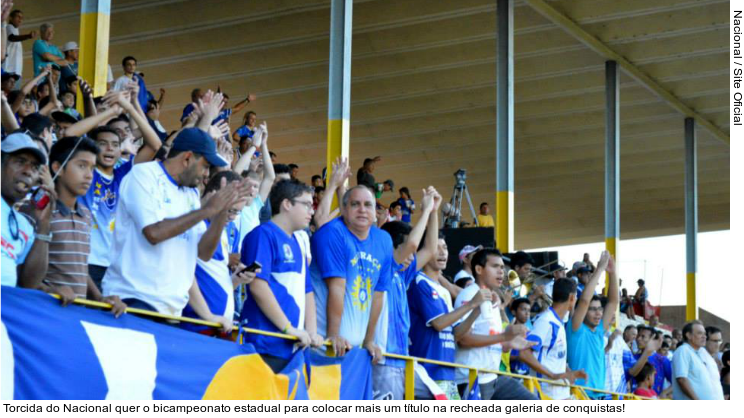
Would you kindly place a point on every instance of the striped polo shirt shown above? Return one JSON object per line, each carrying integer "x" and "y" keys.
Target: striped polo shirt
{"x": 69, "y": 249}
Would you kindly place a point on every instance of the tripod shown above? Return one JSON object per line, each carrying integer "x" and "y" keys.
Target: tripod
{"x": 452, "y": 215}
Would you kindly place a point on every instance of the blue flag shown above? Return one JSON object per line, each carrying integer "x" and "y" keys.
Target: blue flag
{"x": 473, "y": 392}
{"x": 55, "y": 352}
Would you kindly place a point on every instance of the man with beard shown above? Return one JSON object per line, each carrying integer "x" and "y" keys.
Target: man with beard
{"x": 159, "y": 230}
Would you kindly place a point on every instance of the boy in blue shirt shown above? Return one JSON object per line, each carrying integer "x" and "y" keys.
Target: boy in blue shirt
{"x": 435, "y": 324}
{"x": 103, "y": 196}
{"x": 281, "y": 298}
{"x": 388, "y": 376}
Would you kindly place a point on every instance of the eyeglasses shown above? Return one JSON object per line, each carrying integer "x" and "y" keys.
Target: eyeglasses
{"x": 308, "y": 205}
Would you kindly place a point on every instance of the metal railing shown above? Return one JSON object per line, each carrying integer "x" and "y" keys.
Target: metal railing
{"x": 532, "y": 383}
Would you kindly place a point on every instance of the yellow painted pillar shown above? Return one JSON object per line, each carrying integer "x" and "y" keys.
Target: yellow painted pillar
{"x": 94, "y": 43}
{"x": 691, "y": 217}
{"x": 505, "y": 126}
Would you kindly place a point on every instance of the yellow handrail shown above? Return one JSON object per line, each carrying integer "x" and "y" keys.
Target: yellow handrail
{"x": 410, "y": 361}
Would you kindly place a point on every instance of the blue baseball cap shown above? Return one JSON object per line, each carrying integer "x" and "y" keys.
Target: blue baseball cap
{"x": 199, "y": 142}
{"x": 19, "y": 141}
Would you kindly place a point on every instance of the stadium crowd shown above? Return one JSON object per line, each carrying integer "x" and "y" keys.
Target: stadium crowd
{"x": 108, "y": 204}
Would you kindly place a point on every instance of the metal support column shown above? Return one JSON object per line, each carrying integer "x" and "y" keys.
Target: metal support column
{"x": 691, "y": 216}
{"x": 612, "y": 161}
{"x": 94, "y": 44}
{"x": 339, "y": 82}
{"x": 505, "y": 125}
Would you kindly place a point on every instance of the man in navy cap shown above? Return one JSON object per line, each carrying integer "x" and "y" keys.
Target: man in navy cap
{"x": 25, "y": 248}
{"x": 159, "y": 230}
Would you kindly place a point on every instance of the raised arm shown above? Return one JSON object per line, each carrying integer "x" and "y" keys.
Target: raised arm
{"x": 245, "y": 160}
{"x": 241, "y": 104}
{"x": 414, "y": 238}
{"x": 134, "y": 110}
{"x": 613, "y": 298}
{"x": 88, "y": 103}
{"x": 586, "y": 297}
{"x": 28, "y": 87}
{"x": 210, "y": 105}
{"x": 268, "y": 167}
{"x": 86, "y": 125}
{"x": 429, "y": 251}
{"x": 7, "y": 6}
{"x": 9, "y": 121}
{"x": 340, "y": 173}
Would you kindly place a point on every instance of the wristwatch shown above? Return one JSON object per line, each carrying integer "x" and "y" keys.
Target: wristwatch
{"x": 42, "y": 237}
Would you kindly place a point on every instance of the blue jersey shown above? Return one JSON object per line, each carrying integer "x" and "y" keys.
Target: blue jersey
{"x": 365, "y": 264}
{"x": 215, "y": 283}
{"x": 283, "y": 267}
{"x": 391, "y": 334}
{"x": 406, "y": 207}
{"x": 427, "y": 301}
{"x": 187, "y": 111}
{"x": 102, "y": 199}
{"x": 224, "y": 115}
{"x": 245, "y": 131}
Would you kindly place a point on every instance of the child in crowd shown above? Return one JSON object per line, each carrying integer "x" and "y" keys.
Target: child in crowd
{"x": 645, "y": 380}
{"x": 406, "y": 203}
{"x": 68, "y": 101}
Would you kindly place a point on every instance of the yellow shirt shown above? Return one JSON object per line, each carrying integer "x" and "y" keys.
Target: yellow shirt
{"x": 485, "y": 220}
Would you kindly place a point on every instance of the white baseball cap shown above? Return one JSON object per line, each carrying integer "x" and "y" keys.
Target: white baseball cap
{"x": 70, "y": 46}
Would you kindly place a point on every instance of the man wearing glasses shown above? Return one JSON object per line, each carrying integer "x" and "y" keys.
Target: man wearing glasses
{"x": 25, "y": 248}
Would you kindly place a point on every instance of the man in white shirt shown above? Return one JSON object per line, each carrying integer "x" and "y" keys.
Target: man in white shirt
{"x": 14, "y": 54}
{"x": 482, "y": 345}
{"x": 695, "y": 374}
{"x": 159, "y": 230}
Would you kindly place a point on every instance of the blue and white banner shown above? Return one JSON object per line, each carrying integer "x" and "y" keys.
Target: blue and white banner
{"x": 54, "y": 352}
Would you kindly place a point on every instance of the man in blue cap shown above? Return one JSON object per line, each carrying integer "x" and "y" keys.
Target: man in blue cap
{"x": 25, "y": 247}
{"x": 159, "y": 230}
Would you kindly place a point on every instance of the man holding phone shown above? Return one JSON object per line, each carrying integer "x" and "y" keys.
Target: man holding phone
{"x": 281, "y": 298}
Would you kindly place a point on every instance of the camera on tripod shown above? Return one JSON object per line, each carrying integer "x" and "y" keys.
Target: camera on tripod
{"x": 452, "y": 210}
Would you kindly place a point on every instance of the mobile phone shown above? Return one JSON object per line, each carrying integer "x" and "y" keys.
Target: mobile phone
{"x": 252, "y": 268}
{"x": 41, "y": 199}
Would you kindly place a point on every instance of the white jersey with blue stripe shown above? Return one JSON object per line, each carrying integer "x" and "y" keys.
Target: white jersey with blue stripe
{"x": 551, "y": 351}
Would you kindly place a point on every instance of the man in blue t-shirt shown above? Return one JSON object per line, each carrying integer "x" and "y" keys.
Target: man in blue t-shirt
{"x": 103, "y": 196}
{"x": 388, "y": 376}
{"x": 351, "y": 269}
{"x": 281, "y": 298}
{"x": 648, "y": 342}
{"x": 588, "y": 325}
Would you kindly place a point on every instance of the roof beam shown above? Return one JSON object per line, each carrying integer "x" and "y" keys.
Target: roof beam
{"x": 565, "y": 23}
